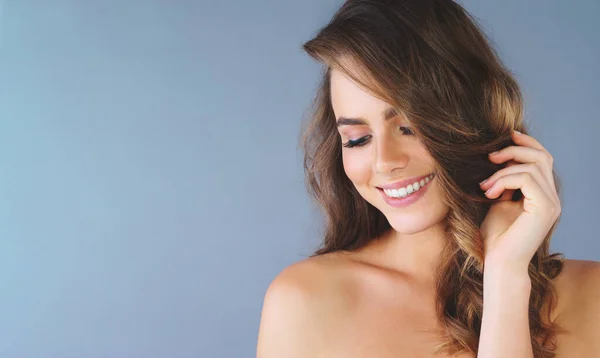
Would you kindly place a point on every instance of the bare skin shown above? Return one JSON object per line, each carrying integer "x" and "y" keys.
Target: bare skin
{"x": 379, "y": 301}
{"x": 387, "y": 314}
{"x": 357, "y": 309}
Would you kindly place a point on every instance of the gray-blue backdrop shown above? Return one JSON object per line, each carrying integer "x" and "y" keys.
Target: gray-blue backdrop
{"x": 150, "y": 183}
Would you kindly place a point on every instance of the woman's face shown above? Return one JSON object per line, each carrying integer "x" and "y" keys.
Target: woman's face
{"x": 389, "y": 153}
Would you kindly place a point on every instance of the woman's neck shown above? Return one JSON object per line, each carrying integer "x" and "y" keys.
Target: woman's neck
{"x": 416, "y": 254}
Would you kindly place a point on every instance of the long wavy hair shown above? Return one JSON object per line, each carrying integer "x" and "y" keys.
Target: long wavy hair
{"x": 431, "y": 60}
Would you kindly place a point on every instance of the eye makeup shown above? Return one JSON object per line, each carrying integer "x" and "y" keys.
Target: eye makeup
{"x": 363, "y": 140}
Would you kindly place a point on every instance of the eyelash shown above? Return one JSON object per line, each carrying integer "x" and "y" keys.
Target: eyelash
{"x": 362, "y": 141}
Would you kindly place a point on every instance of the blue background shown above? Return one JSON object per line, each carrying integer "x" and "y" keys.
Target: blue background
{"x": 150, "y": 181}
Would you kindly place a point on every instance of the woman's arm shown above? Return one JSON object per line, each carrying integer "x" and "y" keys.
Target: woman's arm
{"x": 512, "y": 232}
{"x": 505, "y": 322}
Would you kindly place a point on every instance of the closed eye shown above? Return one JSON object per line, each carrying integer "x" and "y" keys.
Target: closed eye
{"x": 363, "y": 140}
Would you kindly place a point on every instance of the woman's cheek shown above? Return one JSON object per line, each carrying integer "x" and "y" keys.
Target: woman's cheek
{"x": 357, "y": 169}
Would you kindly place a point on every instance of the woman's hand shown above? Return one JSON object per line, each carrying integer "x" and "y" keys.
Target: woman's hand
{"x": 513, "y": 230}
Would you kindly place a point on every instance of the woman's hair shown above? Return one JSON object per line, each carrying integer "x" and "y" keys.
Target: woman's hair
{"x": 431, "y": 61}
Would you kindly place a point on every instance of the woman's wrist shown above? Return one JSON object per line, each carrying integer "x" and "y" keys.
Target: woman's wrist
{"x": 506, "y": 276}
{"x": 505, "y": 268}
{"x": 505, "y": 320}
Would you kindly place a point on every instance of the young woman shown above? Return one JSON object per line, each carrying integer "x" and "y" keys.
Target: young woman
{"x": 421, "y": 255}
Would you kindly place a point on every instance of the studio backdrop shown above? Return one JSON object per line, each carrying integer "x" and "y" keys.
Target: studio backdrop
{"x": 151, "y": 183}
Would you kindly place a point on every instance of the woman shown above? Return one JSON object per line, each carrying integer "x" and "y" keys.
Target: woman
{"x": 421, "y": 255}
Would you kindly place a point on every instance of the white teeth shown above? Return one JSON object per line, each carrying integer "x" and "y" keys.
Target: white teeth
{"x": 409, "y": 189}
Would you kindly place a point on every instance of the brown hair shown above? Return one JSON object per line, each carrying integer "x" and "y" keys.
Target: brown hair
{"x": 431, "y": 61}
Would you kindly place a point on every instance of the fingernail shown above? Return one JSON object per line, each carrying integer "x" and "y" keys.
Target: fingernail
{"x": 494, "y": 153}
{"x": 518, "y": 132}
{"x": 483, "y": 181}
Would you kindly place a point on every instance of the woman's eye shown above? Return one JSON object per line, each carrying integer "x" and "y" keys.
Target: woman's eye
{"x": 407, "y": 130}
{"x": 356, "y": 143}
{"x": 363, "y": 140}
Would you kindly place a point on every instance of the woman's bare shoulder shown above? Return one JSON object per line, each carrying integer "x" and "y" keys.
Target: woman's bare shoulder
{"x": 315, "y": 278}
{"x": 301, "y": 307}
{"x": 577, "y": 279}
{"x": 578, "y": 310}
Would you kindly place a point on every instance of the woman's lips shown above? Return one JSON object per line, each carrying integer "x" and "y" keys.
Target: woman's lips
{"x": 403, "y": 183}
{"x": 407, "y": 200}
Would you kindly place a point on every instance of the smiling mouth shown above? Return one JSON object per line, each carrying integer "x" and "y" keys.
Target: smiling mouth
{"x": 409, "y": 189}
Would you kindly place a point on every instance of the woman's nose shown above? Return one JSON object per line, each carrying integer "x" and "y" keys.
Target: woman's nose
{"x": 389, "y": 155}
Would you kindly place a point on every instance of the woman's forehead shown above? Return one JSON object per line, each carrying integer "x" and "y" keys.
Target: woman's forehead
{"x": 347, "y": 96}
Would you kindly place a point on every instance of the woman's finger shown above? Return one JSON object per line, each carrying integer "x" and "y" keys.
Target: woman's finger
{"x": 527, "y": 141}
{"x": 526, "y": 155}
{"x": 508, "y": 193}
{"x": 530, "y": 168}
{"x": 535, "y": 198}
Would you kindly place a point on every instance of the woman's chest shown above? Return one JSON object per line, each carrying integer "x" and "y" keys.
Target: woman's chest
{"x": 380, "y": 330}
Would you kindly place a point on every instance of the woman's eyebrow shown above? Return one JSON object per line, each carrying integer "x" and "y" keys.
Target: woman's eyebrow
{"x": 387, "y": 114}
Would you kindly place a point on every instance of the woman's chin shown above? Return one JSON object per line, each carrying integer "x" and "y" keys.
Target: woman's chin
{"x": 408, "y": 225}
